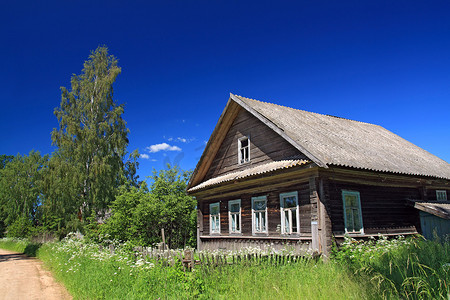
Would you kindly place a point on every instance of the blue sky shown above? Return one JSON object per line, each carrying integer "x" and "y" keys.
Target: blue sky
{"x": 382, "y": 62}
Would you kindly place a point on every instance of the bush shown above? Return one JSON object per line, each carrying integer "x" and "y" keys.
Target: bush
{"x": 21, "y": 227}
{"x": 139, "y": 214}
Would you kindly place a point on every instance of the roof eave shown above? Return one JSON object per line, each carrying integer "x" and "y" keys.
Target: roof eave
{"x": 212, "y": 139}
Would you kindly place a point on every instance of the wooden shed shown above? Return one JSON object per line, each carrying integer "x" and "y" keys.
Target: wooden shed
{"x": 282, "y": 178}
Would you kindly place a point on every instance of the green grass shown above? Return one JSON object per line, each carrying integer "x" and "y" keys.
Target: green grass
{"x": 383, "y": 269}
{"x": 401, "y": 268}
{"x": 90, "y": 273}
{"x": 306, "y": 279}
{"x": 20, "y": 245}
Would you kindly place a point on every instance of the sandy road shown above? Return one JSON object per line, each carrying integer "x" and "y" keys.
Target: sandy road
{"x": 22, "y": 277}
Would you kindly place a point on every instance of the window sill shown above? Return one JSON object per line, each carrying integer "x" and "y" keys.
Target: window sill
{"x": 290, "y": 234}
{"x": 235, "y": 234}
{"x": 362, "y": 235}
{"x": 260, "y": 234}
{"x": 252, "y": 237}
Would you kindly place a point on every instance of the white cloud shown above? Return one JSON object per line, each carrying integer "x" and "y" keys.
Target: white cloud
{"x": 144, "y": 156}
{"x": 180, "y": 139}
{"x": 154, "y": 159}
{"x": 162, "y": 147}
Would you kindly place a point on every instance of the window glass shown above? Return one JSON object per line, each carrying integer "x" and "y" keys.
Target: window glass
{"x": 352, "y": 212}
{"x": 244, "y": 143}
{"x": 214, "y": 209}
{"x": 259, "y": 204}
{"x": 351, "y": 201}
{"x": 289, "y": 213}
{"x": 259, "y": 214}
{"x": 234, "y": 212}
{"x": 294, "y": 220}
{"x": 290, "y": 202}
{"x": 235, "y": 207}
{"x": 244, "y": 150}
{"x": 214, "y": 213}
{"x": 441, "y": 195}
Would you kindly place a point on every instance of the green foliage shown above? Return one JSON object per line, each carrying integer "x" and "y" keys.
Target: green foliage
{"x": 21, "y": 227}
{"x": 20, "y": 192}
{"x": 90, "y": 272}
{"x": 139, "y": 214}
{"x": 91, "y": 139}
{"x": 20, "y": 245}
{"x": 5, "y": 159}
{"x": 406, "y": 268}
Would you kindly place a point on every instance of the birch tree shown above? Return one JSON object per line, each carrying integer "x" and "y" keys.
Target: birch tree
{"x": 91, "y": 138}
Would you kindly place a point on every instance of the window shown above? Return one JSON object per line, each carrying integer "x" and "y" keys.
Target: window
{"x": 214, "y": 217}
{"x": 259, "y": 214}
{"x": 289, "y": 213}
{"x": 234, "y": 213}
{"x": 352, "y": 212}
{"x": 244, "y": 150}
{"x": 441, "y": 195}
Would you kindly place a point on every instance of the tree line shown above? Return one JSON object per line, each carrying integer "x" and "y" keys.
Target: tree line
{"x": 90, "y": 183}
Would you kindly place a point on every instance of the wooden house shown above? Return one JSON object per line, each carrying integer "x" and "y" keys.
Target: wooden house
{"x": 278, "y": 177}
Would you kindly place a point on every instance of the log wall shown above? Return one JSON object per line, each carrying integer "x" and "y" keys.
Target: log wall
{"x": 384, "y": 209}
{"x": 265, "y": 146}
{"x": 273, "y": 210}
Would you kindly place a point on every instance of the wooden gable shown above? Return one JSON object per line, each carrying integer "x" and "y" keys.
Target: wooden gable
{"x": 265, "y": 146}
{"x": 268, "y": 143}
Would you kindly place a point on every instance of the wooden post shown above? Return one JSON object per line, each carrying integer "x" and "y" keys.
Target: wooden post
{"x": 199, "y": 226}
{"x": 320, "y": 219}
{"x": 324, "y": 220}
{"x": 314, "y": 198}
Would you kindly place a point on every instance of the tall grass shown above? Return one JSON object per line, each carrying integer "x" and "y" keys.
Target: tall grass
{"x": 305, "y": 279}
{"x": 91, "y": 273}
{"x": 405, "y": 268}
{"x": 376, "y": 269}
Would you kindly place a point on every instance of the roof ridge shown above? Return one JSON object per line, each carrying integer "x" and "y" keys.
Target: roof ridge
{"x": 310, "y": 112}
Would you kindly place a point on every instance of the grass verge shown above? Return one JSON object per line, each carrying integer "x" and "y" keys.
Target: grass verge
{"x": 91, "y": 273}
{"x": 20, "y": 245}
{"x": 377, "y": 269}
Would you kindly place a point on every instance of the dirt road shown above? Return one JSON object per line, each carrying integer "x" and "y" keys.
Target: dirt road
{"x": 24, "y": 278}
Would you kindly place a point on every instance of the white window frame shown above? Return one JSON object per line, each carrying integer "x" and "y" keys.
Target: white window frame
{"x": 357, "y": 194}
{"x": 238, "y": 214}
{"x": 213, "y": 217}
{"x": 441, "y": 195}
{"x": 288, "y": 211}
{"x": 254, "y": 229}
{"x": 239, "y": 149}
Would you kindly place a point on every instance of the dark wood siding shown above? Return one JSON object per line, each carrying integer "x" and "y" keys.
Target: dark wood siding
{"x": 265, "y": 146}
{"x": 273, "y": 210}
{"x": 431, "y": 194}
{"x": 382, "y": 207}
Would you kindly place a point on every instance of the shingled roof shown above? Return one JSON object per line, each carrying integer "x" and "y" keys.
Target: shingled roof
{"x": 329, "y": 140}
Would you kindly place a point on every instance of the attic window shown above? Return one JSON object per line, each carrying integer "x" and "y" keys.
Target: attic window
{"x": 441, "y": 195}
{"x": 244, "y": 149}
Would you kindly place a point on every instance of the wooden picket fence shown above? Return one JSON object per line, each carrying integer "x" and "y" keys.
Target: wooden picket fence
{"x": 191, "y": 258}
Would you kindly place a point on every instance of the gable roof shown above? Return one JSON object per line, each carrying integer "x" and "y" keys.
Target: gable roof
{"x": 331, "y": 141}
